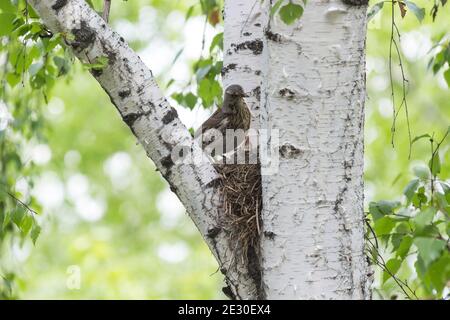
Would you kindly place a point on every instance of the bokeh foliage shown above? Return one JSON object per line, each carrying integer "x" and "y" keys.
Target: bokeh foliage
{"x": 409, "y": 218}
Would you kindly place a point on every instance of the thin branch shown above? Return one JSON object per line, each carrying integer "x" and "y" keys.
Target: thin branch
{"x": 22, "y": 203}
{"x": 106, "y": 10}
{"x": 404, "y": 103}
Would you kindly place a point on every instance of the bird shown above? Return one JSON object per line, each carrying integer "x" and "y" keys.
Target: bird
{"x": 234, "y": 114}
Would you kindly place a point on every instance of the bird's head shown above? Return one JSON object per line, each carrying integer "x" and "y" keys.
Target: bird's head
{"x": 233, "y": 94}
{"x": 236, "y": 91}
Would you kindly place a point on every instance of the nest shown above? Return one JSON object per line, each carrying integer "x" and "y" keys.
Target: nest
{"x": 242, "y": 202}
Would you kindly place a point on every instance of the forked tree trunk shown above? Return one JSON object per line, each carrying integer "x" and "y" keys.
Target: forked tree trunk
{"x": 307, "y": 82}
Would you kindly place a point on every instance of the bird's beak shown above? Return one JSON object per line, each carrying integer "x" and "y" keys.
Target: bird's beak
{"x": 246, "y": 95}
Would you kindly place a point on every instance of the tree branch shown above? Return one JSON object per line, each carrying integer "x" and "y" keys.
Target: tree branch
{"x": 106, "y": 10}
{"x": 143, "y": 107}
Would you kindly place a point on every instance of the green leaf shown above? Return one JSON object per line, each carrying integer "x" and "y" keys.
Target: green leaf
{"x": 202, "y": 72}
{"x": 435, "y": 164}
{"x": 404, "y": 247}
{"x": 396, "y": 240}
{"x": 17, "y": 215}
{"x": 35, "y": 67}
{"x": 374, "y": 10}
{"x": 275, "y": 7}
{"x": 439, "y": 273}
{"x": 392, "y": 266}
{"x": 189, "y": 12}
{"x": 171, "y": 81}
{"x": 411, "y": 188}
{"x": 2, "y": 220}
{"x": 446, "y": 188}
{"x": 424, "y": 218}
{"x": 420, "y": 267}
{"x": 430, "y": 249}
{"x": 62, "y": 65}
{"x": 418, "y": 12}
{"x": 384, "y": 225}
{"x": 382, "y": 208}
{"x": 438, "y": 61}
{"x": 178, "y": 97}
{"x": 447, "y": 77}
{"x": 426, "y": 135}
{"x": 291, "y": 12}
{"x": 209, "y": 91}
{"x": 35, "y": 232}
{"x": 13, "y": 79}
{"x": 6, "y": 6}
{"x": 6, "y": 23}
{"x": 217, "y": 41}
{"x": 191, "y": 100}
{"x": 26, "y": 224}
{"x": 419, "y": 198}
{"x": 99, "y": 63}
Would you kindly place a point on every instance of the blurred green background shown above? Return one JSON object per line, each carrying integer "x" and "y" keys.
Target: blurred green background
{"x": 110, "y": 218}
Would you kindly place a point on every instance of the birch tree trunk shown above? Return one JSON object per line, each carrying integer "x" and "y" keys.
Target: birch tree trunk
{"x": 307, "y": 83}
{"x": 313, "y": 94}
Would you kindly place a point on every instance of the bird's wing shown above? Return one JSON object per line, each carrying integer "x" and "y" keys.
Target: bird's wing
{"x": 216, "y": 121}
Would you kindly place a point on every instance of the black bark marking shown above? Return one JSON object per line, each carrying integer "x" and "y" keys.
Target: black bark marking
{"x": 167, "y": 162}
{"x": 339, "y": 199}
{"x": 125, "y": 93}
{"x": 59, "y": 4}
{"x": 227, "y": 68}
{"x": 107, "y": 51}
{"x": 356, "y": 2}
{"x": 131, "y": 118}
{"x": 130, "y": 71}
{"x": 84, "y": 36}
{"x": 254, "y": 270}
{"x": 269, "y": 234}
{"x": 286, "y": 92}
{"x": 276, "y": 37}
{"x": 214, "y": 183}
{"x": 257, "y": 93}
{"x": 288, "y": 151}
{"x": 96, "y": 72}
{"x": 255, "y": 46}
{"x": 247, "y": 34}
{"x": 172, "y": 187}
{"x": 228, "y": 292}
{"x": 213, "y": 232}
{"x": 170, "y": 116}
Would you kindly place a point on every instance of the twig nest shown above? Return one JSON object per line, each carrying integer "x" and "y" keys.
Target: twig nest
{"x": 242, "y": 202}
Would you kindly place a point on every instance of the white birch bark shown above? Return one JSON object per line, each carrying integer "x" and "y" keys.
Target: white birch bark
{"x": 313, "y": 93}
{"x": 134, "y": 92}
{"x": 243, "y": 46}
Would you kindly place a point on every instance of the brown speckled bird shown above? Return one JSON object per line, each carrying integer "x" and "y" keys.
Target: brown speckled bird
{"x": 234, "y": 114}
